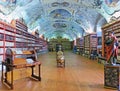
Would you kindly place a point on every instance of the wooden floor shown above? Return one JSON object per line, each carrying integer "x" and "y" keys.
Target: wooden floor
{"x": 80, "y": 74}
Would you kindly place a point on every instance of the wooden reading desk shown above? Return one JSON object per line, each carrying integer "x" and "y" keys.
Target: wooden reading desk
{"x": 11, "y": 63}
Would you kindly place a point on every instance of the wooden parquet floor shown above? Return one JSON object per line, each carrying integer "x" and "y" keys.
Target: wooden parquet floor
{"x": 79, "y": 74}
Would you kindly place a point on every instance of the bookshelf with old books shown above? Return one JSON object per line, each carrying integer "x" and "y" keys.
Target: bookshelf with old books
{"x": 24, "y": 38}
{"x": 16, "y": 37}
{"x": 81, "y": 46}
{"x": 7, "y": 38}
{"x": 21, "y": 35}
{"x": 78, "y": 45}
{"x": 22, "y": 46}
{"x": 41, "y": 45}
{"x": 66, "y": 43}
{"x": 90, "y": 44}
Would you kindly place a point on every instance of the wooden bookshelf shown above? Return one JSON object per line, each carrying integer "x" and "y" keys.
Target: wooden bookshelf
{"x": 7, "y": 38}
{"x": 115, "y": 27}
{"x": 21, "y": 35}
{"x": 19, "y": 25}
{"x": 66, "y": 43}
{"x": 16, "y": 37}
{"x": 90, "y": 43}
{"x": 80, "y": 45}
{"x": 99, "y": 46}
{"x": 29, "y": 41}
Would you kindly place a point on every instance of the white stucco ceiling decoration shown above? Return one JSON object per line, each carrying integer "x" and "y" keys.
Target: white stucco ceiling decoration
{"x": 70, "y": 18}
{"x": 60, "y": 4}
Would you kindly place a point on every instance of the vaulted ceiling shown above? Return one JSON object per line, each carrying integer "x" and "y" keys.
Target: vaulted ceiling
{"x": 66, "y": 18}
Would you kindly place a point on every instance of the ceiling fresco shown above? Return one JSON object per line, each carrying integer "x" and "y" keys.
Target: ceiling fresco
{"x": 66, "y": 18}
{"x": 60, "y": 14}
